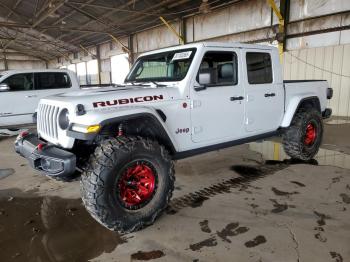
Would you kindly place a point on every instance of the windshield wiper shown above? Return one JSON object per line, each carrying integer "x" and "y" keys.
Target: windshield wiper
{"x": 118, "y": 85}
{"x": 157, "y": 84}
{"x": 134, "y": 83}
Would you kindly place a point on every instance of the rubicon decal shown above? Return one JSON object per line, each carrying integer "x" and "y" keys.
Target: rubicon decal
{"x": 125, "y": 101}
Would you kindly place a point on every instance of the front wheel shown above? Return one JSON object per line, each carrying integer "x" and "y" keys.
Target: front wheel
{"x": 303, "y": 138}
{"x": 129, "y": 182}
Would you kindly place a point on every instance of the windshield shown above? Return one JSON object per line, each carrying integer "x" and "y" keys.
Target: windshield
{"x": 162, "y": 67}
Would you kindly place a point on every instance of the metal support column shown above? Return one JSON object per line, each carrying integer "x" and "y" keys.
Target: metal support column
{"x": 98, "y": 57}
{"x": 5, "y": 61}
{"x": 131, "y": 50}
{"x": 280, "y": 27}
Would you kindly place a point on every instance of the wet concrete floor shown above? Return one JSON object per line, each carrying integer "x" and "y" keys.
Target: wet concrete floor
{"x": 247, "y": 203}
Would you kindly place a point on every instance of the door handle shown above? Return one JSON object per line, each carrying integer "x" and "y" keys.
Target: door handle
{"x": 270, "y": 95}
{"x": 30, "y": 96}
{"x": 236, "y": 98}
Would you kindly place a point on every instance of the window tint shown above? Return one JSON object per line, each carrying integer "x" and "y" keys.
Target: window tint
{"x": 52, "y": 80}
{"x": 218, "y": 69}
{"x": 20, "y": 82}
{"x": 259, "y": 68}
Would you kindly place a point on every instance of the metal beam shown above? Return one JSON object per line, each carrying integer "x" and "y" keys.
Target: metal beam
{"x": 131, "y": 48}
{"x": 13, "y": 8}
{"x": 20, "y": 16}
{"x": 280, "y": 26}
{"x": 133, "y": 18}
{"x": 25, "y": 52}
{"x": 5, "y": 61}
{"x": 285, "y": 10}
{"x": 60, "y": 28}
{"x": 88, "y": 52}
{"x": 117, "y": 9}
{"x": 99, "y": 67}
{"x": 124, "y": 47}
{"x": 42, "y": 18}
{"x": 172, "y": 29}
{"x": 52, "y": 7}
{"x": 130, "y": 2}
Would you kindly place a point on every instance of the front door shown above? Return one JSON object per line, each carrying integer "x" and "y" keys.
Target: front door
{"x": 18, "y": 104}
{"x": 217, "y": 112}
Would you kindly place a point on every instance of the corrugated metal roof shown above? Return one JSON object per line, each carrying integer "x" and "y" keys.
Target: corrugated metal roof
{"x": 51, "y": 28}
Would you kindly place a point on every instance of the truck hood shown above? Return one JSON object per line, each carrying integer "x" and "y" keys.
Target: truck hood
{"x": 116, "y": 97}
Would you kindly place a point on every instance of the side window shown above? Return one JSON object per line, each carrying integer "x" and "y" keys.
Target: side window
{"x": 51, "y": 80}
{"x": 20, "y": 82}
{"x": 218, "y": 69}
{"x": 259, "y": 68}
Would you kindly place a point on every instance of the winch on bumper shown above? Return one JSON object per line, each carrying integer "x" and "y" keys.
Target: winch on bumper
{"x": 44, "y": 157}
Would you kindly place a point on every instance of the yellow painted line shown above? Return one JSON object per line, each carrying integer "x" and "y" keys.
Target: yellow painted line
{"x": 276, "y": 151}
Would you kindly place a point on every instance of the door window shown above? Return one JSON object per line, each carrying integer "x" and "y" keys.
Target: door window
{"x": 20, "y": 82}
{"x": 52, "y": 80}
{"x": 220, "y": 68}
{"x": 259, "y": 68}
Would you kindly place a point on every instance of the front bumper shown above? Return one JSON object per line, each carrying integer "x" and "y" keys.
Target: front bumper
{"x": 44, "y": 157}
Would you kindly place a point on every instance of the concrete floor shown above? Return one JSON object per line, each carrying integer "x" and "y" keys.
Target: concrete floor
{"x": 258, "y": 207}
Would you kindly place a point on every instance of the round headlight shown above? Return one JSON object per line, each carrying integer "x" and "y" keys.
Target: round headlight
{"x": 63, "y": 119}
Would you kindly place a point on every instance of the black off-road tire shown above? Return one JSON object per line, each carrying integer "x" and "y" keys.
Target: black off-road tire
{"x": 99, "y": 188}
{"x": 294, "y": 136}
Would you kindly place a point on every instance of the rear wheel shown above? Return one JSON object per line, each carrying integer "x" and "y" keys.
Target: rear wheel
{"x": 128, "y": 183}
{"x": 303, "y": 138}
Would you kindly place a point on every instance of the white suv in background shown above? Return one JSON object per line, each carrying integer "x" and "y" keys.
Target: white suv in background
{"x": 21, "y": 90}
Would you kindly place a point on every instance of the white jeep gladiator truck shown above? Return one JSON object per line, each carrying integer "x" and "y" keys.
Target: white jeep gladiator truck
{"x": 176, "y": 102}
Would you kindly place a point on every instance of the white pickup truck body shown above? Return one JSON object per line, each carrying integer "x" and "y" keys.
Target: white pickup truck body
{"x": 176, "y": 102}
{"x": 21, "y": 91}
{"x": 210, "y": 117}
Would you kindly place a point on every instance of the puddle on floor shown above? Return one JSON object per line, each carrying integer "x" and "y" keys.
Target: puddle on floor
{"x": 6, "y": 172}
{"x": 274, "y": 151}
{"x": 51, "y": 229}
{"x": 338, "y": 122}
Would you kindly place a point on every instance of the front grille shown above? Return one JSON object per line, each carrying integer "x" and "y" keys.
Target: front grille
{"x": 48, "y": 121}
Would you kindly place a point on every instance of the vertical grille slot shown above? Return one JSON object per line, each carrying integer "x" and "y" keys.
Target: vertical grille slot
{"x": 48, "y": 121}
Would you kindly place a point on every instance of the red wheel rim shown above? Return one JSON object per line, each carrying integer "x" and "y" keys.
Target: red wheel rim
{"x": 137, "y": 184}
{"x": 310, "y": 135}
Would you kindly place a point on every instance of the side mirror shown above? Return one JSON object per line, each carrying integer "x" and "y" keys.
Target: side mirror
{"x": 4, "y": 87}
{"x": 204, "y": 78}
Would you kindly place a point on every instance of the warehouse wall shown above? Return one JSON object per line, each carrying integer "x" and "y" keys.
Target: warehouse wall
{"x": 318, "y": 38}
{"x": 331, "y": 63}
{"x": 18, "y": 61}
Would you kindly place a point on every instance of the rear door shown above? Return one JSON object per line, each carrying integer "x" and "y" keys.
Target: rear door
{"x": 18, "y": 104}
{"x": 264, "y": 90}
{"x": 51, "y": 83}
{"x": 217, "y": 112}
